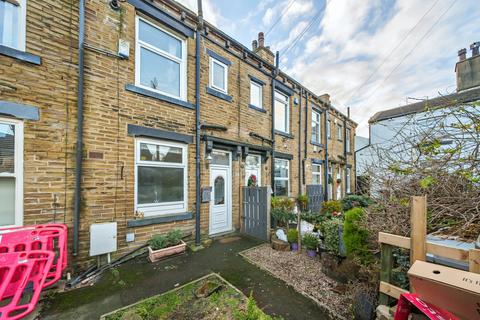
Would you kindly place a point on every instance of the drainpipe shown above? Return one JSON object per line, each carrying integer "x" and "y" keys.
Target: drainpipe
{"x": 198, "y": 124}
{"x": 79, "y": 153}
{"x": 301, "y": 174}
{"x": 306, "y": 136}
{"x": 272, "y": 170}
{"x": 326, "y": 151}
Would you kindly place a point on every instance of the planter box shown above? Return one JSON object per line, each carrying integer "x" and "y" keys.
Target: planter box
{"x": 155, "y": 255}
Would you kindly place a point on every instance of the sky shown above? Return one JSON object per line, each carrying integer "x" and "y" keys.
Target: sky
{"x": 369, "y": 55}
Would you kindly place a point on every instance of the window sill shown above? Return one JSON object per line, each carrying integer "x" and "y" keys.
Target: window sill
{"x": 159, "y": 219}
{"x": 251, "y": 106}
{"x": 349, "y": 153}
{"x": 317, "y": 144}
{"x": 158, "y": 96}
{"x": 219, "y": 94}
{"x": 284, "y": 134}
{"x": 20, "y": 55}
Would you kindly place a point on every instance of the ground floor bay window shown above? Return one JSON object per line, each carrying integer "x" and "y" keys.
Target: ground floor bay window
{"x": 11, "y": 173}
{"x": 160, "y": 177}
{"x": 282, "y": 176}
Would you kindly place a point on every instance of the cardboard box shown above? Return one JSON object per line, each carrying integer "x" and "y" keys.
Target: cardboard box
{"x": 451, "y": 289}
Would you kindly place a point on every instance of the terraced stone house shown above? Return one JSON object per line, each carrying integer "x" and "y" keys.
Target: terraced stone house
{"x": 137, "y": 117}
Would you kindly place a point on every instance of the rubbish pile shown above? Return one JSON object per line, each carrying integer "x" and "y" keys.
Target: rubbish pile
{"x": 32, "y": 258}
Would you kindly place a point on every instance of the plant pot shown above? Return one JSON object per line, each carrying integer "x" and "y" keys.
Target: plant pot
{"x": 294, "y": 246}
{"x": 156, "y": 255}
{"x": 311, "y": 253}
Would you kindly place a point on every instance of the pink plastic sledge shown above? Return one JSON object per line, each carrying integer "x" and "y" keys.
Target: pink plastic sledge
{"x": 20, "y": 274}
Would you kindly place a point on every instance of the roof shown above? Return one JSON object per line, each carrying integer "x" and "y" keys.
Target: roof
{"x": 418, "y": 107}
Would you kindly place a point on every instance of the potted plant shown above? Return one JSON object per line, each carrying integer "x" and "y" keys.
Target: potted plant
{"x": 292, "y": 237}
{"x": 252, "y": 181}
{"x": 310, "y": 241}
{"x": 161, "y": 246}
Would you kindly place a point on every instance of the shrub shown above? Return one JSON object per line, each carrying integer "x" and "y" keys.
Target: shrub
{"x": 310, "y": 241}
{"x": 282, "y": 210}
{"x": 330, "y": 231}
{"x": 302, "y": 201}
{"x": 355, "y": 236}
{"x": 329, "y": 207}
{"x": 283, "y": 203}
{"x": 159, "y": 241}
{"x": 292, "y": 235}
{"x": 352, "y": 201}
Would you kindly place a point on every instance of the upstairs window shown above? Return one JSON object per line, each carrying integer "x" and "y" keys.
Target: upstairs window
{"x": 348, "y": 146}
{"x": 329, "y": 129}
{"x": 281, "y": 112}
{"x": 316, "y": 127}
{"x": 347, "y": 180}
{"x": 256, "y": 94}
{"x": 13, "y": 15}
{"x": 218, "y": 75}
{"x": 339, "y": 132}
{"x": 160, "y": 60}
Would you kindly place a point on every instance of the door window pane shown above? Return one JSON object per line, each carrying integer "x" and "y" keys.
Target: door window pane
{"x": 252, "y": 161}
{"x": 159, "y": 73}
{"x": 218, "y": 75}
{"x": 159, "y": 184}
{"x": 220, "y": 158}
{"x": 159, "y": 39}
{"x": 7, "y": 200}
{"x": 9, "y": 24}
{"x": 7, "y": 148}
{"x": 219, "y": 190}
{"x": 158, "y": 153}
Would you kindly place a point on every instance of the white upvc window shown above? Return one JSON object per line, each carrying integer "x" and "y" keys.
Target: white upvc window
{"x": 316, "y": 126}
{"x": 329, "y": 129}
{"x": 347, "y": 180}
{"x": 330, "y": 182}
{"x": 282, "y": 112}
{"x": 161, "y": 177}
{"x": 256, "y": 94}
{"x": 11, "y": 172}
{"x": 282, "y": 177}
{"x": 348, "y": 146}
{"x": 13, "y": 20}
{"x": 339, "y": 132}
{"x": 160, "y": 60}
{"x": 218, "y": 75}
{"x": 339, "y": 184}
{"x": 317, "y": 174}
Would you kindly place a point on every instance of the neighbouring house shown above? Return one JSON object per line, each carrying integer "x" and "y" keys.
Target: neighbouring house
{"x": 104, "y": 108}
{"x": 390, "y": 129}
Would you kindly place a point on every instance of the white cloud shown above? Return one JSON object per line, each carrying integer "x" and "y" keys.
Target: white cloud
{"x": 210, "y": 12}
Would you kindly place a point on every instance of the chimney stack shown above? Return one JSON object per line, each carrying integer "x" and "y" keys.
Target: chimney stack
{"x": 261, "y": 39}
{"x": 462, "y": 54}
{"x": 254, "y": 45}
{"x": 474, "y": 47}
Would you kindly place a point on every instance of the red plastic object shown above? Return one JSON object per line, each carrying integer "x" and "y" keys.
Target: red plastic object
{"x": 41, "y": 237}
{"x": 21, "y": 272}
{"x": 409, "y": 301}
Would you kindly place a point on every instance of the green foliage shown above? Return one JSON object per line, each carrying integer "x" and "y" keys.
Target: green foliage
{"x": 252, "y": 312}
{"x": 427, "y": 182}
{"x": 330, "y": 231}
{"x": 329, "y": 207}
{"x": 355, "y": 236}
{"x": 172, "y": 238}
{"x": 302, "y": 201}
{"x": 282, "y": 210}
{"x": 351, "y": 201}
{"x": 283, "y": 203}
{"x": 313, "y": 218}
{"x": 310, "y": 241}
{"x": 292, "y": 235}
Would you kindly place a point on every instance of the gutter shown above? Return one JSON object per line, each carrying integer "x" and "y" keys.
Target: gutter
{"x": 198, "y": 124}
{"x": 79, "y": 151}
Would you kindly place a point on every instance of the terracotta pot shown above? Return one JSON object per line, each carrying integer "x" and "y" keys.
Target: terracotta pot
{"x": 155, "y": 255}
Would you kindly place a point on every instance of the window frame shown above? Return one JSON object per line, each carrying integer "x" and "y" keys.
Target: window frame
{"x": 17, "y": 174}
{"x": 348, "y": 147}
{"x": 339, "y": 132}
{"x": 319, "y": 173}
{"x": 22, "y": 27}
{"x": 225, "y": 75}
{"x": 260, "y": 98}
{"x": 164, "y": 208}
{"x": 347, "y": 180}
{"x": 275, "y": 178}
{"x": 319, "y": 125}
{"x": 182, "y": 62}
{"x": 287, "y": 111}
{"x": 329, "y": 129}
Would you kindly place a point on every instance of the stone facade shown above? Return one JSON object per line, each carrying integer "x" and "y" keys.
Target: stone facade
{"x": 113, "y": 103}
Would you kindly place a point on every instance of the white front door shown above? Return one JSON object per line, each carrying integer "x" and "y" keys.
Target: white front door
{"x": 221, "y": 202}
{"x": 253, "y": 169}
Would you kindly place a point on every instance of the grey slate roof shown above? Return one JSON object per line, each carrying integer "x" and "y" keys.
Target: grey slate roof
{"x": 439, "y": 102}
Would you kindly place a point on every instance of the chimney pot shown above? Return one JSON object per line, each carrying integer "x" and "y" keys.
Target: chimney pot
{"x": 462, "y": 54}
{"x": 261, "y": 39}
{"x": 254, "y": 45}
{"x": 474, "y": 47}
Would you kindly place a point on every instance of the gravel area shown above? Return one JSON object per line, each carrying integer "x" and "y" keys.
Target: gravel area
{"x": 304, "y": 275}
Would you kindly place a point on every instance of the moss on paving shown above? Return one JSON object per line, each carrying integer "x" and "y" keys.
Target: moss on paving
{"x": 181, "y": 303}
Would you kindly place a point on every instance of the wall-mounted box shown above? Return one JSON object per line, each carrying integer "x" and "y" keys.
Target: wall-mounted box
{"x": 103, "y": 238}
